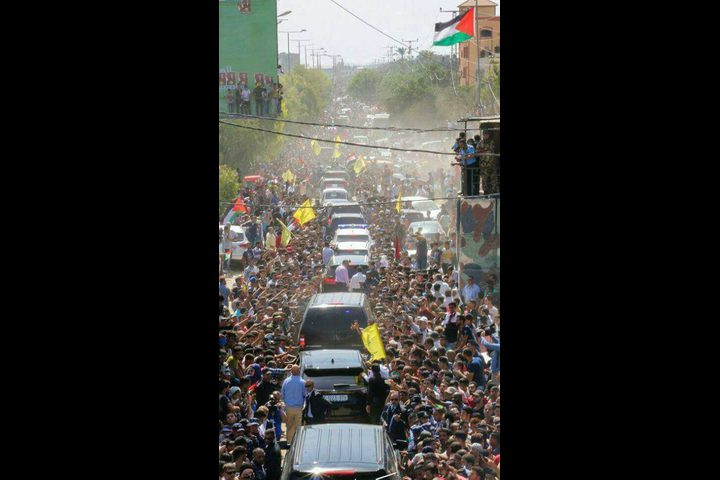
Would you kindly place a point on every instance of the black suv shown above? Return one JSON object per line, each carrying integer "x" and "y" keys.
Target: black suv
{"x": 343, "y": 451}
{"x": 341, "y": 376}
{"x": 328, "y": 318}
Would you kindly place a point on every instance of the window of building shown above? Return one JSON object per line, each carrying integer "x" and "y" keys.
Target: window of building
{"x": 483, "y": 53}
{"x": 464, "y": 72}
{"x": 485, "y": 33}
{"x": 465, "y": 51}
{"x": 497, "y": 49}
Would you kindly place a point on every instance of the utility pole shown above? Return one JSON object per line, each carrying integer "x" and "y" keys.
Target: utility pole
{"x": 410, "y": 42}
{"x": 299, "y": 56}
{"x": 390, "y": 52}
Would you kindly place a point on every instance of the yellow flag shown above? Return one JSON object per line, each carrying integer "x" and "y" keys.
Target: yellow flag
{"x": 316, "y": 147}
{"x": 286, "y": 235}
{"x": 359, "y": 165}
{"x": 288, "y": 176}
{"x": 398, "y": 204}
{"x": 336, "y": 152}
{"x": 305, "y": 213}
{"x": 373, "y": 342}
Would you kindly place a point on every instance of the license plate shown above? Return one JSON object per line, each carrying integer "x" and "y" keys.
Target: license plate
{"x": 336, "y": 398}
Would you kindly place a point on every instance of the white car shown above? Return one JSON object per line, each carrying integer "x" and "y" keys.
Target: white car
{"x": 239, "y": 243}
{"x": 330, "y": 194}
{"x": 352, "y": 248}
{"x": 352, "y": 235}
{"x": 431, "y": 230}
{"x": 422, "y": 204}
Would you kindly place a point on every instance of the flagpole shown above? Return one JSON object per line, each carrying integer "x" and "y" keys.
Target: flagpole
{"x": 477, "y": 67}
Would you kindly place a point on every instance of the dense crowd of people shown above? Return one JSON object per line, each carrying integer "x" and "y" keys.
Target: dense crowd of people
{"x": 437, "y": 392}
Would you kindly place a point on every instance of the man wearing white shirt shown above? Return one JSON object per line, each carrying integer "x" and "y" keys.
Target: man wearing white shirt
{"x": 444, "y": 287}
{"x": 327, "y": 254}
{"x": 357, "y": 282}
{"x": 471, "y": 291}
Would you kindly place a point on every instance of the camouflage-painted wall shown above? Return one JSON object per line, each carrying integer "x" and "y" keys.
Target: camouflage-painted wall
{"x": 478, "y": 245}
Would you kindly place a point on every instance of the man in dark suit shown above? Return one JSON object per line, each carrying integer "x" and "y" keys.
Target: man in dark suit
{"x": 395, "y": 418}
{"x": 273, "y": 459}
{"x": 316, "y": 407}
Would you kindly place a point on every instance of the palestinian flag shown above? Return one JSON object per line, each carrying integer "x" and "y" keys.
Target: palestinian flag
{"x": 457, "y": 30}
{"x": 238, "y": 208}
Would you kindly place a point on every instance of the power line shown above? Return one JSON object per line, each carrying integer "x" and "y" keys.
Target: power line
{"x": 406, "y": 150}
{"x": 489, "y": 196}
{"x": 339, "y": 125}
{"x": 369, "y": 25}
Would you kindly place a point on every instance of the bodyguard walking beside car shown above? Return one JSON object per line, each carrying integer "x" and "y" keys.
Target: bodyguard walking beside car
{"x": 316, "y": 407}
{"x": 376, "y": 394}
{"x": 293, "y": 395}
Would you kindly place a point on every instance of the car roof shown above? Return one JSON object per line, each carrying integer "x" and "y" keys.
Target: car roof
{"x": 334, "y": 189}
{"x": 426, "y": 225}
{"x": 351, "y": 245}
{"x": 336, "y": 260}
{"x": 234, "y": 228}
{"x": 333, "y": 446}
{"x": 330, "y": 358}
{"x": 410, "y": 210}
{"x": 353, "y": 231}
{"x": 347, "y": 215}
{"x": 412, "y": 199}
{"x": 333, "y": 179}
{"x": 339, "y": 202}
{"x": 337, "y": 298}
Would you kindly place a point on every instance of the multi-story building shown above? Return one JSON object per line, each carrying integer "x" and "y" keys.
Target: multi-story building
{"x": 488, "y": 31}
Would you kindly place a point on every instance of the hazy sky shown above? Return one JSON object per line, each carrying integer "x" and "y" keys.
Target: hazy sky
{"x": 334, "y": 29}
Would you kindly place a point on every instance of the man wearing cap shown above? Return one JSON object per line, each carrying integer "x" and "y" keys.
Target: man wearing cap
{"x": 293, "y": 395}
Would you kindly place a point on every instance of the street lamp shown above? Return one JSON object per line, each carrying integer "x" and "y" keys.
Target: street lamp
{"x": 312, "y": 53}
{"x": 288, "y": 46}
{"x": 305, "y": 47}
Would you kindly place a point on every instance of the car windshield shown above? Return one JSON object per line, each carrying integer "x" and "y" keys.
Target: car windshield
{"x": 336, "y": 195}
{"x": 333, "y": 372}
{"x": 346, "y": 251}
{"x": 344, "y": 475}
{"x": 425, "y": 205}
{"x": 346, "y": 209}
{"x": 352, "y": 238}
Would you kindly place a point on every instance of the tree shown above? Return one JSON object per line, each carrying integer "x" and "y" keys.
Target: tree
{"x": 364, "y": 85}
{"x": 306, "y": 93}
{"x": 229, "y": 186}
